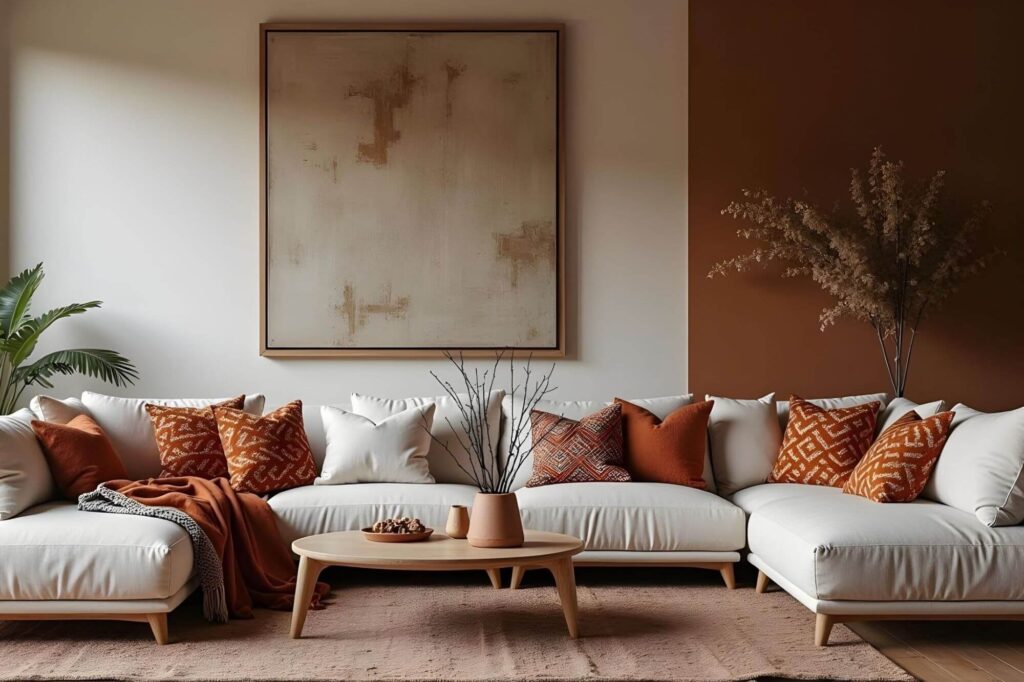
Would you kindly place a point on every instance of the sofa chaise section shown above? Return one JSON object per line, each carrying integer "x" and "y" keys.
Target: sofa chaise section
{"x": 59, "y": 562}
{"x": 847, "y": 558}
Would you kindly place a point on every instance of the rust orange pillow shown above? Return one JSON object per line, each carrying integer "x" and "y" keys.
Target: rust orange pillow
{"x": 188, "y": 440}
{"x": 266, "y": 454}
{"x": 79, "y": 454}
{"x": 822, "y": 447}
{"x": 567, "y": 451}
{"x": 898, "y": 464}
{"x": 669, "y": 450}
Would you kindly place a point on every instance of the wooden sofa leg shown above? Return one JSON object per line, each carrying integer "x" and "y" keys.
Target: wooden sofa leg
{"x": 762, "y": 582}
{"x": 822, "y": 628}
{"x": 517, "y": 576}
{"x": 158, "y": 624}
{"x": 728, "y": 575}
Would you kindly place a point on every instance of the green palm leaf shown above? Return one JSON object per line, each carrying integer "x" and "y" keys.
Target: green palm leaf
{"x": 16, "y": 298}
{"x": 23, "y": 341}
{"x": 107, "y": 365}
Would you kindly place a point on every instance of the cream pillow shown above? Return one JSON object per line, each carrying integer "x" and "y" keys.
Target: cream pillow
{"x": 446, "y": 428}
{"x": 56, "y": 411}
{"x": 981, "y": 468}
{"x": 745, "y": 440}
{"x": 130, "y": 429}
{"x": 393, "y": 450}
{"x": 25, "y": 479}
{"x": 900, "y": 406}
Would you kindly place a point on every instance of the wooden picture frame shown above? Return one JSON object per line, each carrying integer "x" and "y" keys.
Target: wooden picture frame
{"x": 556, "y": 347}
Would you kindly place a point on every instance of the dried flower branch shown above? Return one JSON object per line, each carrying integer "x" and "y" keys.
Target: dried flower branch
{"x": 890, "y": 267}
{"x": 488, "y": 472}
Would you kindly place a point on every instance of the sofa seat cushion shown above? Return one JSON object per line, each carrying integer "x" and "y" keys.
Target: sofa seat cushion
{"x": 55, "y": 551}
{"x": 311, "y": 510}
{"x": 843, "y": 547}
{"x": 642, "y": 517}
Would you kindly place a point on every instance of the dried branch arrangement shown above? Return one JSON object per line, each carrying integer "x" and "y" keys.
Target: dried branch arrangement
{"x": 490, "y": 473}
{"x": 890, "y": 263}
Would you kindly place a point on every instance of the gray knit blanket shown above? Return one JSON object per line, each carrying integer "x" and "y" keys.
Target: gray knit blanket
{"x": 207, "y": 562}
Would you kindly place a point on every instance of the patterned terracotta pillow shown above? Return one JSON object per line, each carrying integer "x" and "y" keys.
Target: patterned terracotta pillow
{"x": 188, "y": 440}
{"x": 567, "y": 451}
{"x": 266, "y": 454}
{"x": 822, "y": 447}
{"x": 898, "y": 465}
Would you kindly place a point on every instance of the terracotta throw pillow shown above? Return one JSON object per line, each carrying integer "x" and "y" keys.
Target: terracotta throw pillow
{"x": 188, "y": 440}
{"x": 79, "y": 454}
{"x": 822, "y": 447}
{"x": 266, "y": 454}
{"x": 567, "y": 451}
{"x": 898, "y": 465}
{"x": 666, "y": 451}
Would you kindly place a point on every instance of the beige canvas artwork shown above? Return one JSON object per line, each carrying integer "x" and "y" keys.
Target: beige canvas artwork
{"x": 412, "y": 190}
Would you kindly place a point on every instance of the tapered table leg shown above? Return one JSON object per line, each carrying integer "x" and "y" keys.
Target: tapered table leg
{"x": 495, "y": 575}
{"x": 517, "y": 576}
{"x": 565, "y": 580}
{"x": 309, "y": 571}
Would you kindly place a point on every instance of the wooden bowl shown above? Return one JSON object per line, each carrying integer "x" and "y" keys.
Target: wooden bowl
{"x": 396, "y": 537}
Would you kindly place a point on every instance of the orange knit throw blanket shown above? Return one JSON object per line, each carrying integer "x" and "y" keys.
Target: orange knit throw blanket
{"x": 258, "y": 567}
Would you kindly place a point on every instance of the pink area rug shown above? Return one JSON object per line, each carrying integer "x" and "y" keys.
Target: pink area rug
{"x": 635, "y": 625}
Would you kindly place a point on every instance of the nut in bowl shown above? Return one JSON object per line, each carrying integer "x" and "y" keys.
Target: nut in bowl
{"x": 402, "y": 529}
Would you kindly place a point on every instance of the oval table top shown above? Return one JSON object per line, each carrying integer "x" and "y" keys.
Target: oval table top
{"x": 440, "y": 551}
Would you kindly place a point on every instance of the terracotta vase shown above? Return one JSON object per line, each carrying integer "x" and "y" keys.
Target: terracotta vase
{"x": 458, "y": 522}
{"x": 495, "y": 521}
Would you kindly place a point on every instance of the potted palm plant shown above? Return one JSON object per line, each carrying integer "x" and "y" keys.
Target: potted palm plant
{"x": 20, "y": 333}
{"x": 495, "y": 520}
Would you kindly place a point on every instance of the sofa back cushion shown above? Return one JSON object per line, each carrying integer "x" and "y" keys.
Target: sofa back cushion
{"x": 25, "y": 479}
{"x": 577, "y": 409}
{"x": 745, "y": 437}
{"x": 899, "y": 407}
{"x": 981, "y": 468}
{"x": 834, "y": 403}
{"x": 127, "y": 424}
{"x": 447, "y": 415}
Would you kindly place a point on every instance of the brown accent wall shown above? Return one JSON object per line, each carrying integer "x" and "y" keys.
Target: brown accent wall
{"x": 788, "y": 95}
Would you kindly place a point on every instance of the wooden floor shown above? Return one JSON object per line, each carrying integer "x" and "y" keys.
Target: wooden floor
{"x": 950, "y": 651}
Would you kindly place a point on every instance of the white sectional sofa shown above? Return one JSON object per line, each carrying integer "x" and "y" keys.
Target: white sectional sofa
{"x": 842, "y": 556}
{"x": 59, "y": 562}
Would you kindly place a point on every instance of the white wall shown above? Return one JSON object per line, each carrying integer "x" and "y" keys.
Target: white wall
{"x": 134, "y": 176}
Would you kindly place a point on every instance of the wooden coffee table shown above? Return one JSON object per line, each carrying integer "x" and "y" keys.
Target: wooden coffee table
{"x": 440, "y": 553}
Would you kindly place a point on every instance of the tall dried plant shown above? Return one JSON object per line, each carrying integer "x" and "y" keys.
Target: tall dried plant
{"x": 892, "y": 262}
{"x": 481, "y": 463}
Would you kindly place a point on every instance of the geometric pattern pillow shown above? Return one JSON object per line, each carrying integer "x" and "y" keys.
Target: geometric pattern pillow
{"x": 822, "y": 447}
{"x": 188, "y": 440}
{"x": 898, "y": 465}
{"x": 266, "y": 454}
{"x": 568, "y": 451}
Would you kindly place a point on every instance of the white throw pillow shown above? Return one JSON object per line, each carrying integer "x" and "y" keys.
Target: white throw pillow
{"x": 745, "y": 440}
{"x": 900, "y": 406}
{"x": 25, "y": 479}
{"x": 393, "y": 450}
{"x": 49, "y": 409}
{"x": 981, "y": 468}
{"x": 834, "y": 403}
{"x": 577, "y": 409}
{"x": 130, "y": 429}
{"x": 443, "y": 468}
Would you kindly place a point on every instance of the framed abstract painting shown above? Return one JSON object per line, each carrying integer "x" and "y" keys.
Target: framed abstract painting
{"x": 412, "y": 189}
